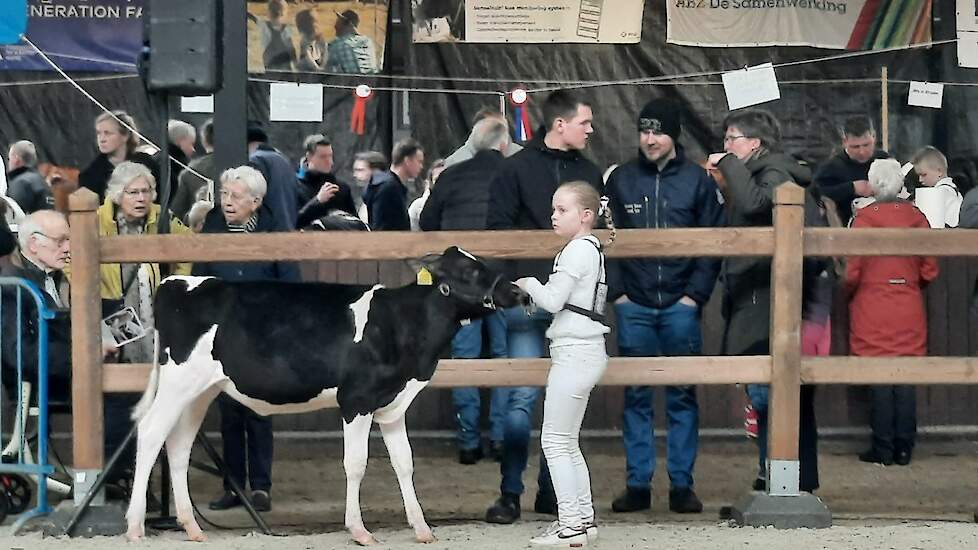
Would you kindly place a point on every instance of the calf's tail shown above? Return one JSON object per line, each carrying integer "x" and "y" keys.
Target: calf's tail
{"x": 149, "y": 395}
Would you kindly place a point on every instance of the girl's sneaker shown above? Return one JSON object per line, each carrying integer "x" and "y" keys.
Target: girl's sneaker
{"x": 750, "y": 421}
{"x": 591, "y": 529}
{"x": 561, "y": 537}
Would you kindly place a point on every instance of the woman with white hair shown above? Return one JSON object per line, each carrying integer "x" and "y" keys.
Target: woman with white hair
{"x": 887, "y": 315}
{"x": 129, "y": 210}
{"x": 247, "y": 437}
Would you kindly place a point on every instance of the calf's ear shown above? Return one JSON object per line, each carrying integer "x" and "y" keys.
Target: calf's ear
{"x": 431, "y": 262}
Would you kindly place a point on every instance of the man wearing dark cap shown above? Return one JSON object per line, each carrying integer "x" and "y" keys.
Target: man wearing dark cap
{"x": 351, "y": 52}
{"x": 658, "y": 300}
{"x": 282, "y": 195}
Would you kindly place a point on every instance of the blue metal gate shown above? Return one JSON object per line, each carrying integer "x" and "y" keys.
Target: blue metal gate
{"x": 14, "y": 292}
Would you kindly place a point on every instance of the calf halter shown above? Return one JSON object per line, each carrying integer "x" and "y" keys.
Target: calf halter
{"x": 486, "y": 299}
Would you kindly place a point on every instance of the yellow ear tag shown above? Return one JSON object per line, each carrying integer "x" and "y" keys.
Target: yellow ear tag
{"x": 424, "y": 277}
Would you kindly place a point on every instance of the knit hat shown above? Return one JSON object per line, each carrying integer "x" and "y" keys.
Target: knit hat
{"x": 256, "y": 133}
{"x": 661, "y": 116}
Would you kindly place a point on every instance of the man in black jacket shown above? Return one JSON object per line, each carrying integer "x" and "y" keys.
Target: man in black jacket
{"x": 658, "y": 300}
{"x": 24, "y": 183}
{"x": 845, "y": 176}
{"x": 459, "y": 203}
{"x": 319, "y": 191}
{"x": 520, "y": 197}
{"x": 386, "y": 194}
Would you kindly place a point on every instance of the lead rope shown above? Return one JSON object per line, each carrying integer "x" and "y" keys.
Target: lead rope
{"x": 605, "y": 212}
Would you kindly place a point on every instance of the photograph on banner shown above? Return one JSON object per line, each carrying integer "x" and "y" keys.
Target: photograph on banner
{"x": 528, "y": 21}
{"x": 78, "y": 35}
{"x": 317, "y": 36}
{"x": 834, "y": 24}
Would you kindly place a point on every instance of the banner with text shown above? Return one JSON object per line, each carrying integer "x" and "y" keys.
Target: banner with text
{"x": 80, "y": 35}
{"x": 526, "y": 21}
{"x": 837, "y": 24}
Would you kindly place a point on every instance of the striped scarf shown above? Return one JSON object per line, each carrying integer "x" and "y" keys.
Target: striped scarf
{"x": 247, "y": 227}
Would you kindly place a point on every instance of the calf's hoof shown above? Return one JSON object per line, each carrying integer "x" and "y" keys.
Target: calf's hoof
{"x": 426, "y": 537}
{"x": 363, "y": 537}
{"x": 134, "y": 535}
{"x": 196, "y": 536}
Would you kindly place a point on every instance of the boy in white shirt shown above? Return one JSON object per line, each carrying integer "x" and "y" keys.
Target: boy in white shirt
{"x": 931, "y": 168}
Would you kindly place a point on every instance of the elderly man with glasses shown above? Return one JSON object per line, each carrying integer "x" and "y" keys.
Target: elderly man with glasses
{"x": 44, "y": 248}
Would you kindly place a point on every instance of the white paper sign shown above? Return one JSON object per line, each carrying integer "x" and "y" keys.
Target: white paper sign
{"x": 296, "y": 102}
{"x": 751, "y": 86}
{"x": 968, "y": 49}
{"x": 967, "y": 15}
{"x": 197, "y": 104}
{"x": 926, "y": 94}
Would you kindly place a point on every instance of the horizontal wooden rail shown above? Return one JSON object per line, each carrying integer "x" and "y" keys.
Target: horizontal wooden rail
{"x": 889, "y": 370}
{"x": 528, "y": 244}
{"x": 622, "y": 371}
{"x": 396, "y": 245}
{"x": 662, "y": 371}
{"x": 890, "y": 242}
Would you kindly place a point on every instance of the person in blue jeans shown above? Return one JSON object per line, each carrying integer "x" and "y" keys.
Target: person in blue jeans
{"x": 658, "y": 301}
{"x": 467, "y": 344}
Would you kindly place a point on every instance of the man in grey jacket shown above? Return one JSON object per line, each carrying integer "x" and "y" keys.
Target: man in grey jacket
{"x": 468, "y": 149}
{"x": 25, "y": 184}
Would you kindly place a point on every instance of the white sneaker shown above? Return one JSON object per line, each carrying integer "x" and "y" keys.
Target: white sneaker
{"x": 561, "y": 537}
{"x": 591, "y": 528}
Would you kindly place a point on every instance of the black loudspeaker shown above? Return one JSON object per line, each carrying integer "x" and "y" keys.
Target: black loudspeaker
{"x": 183, "y": 47}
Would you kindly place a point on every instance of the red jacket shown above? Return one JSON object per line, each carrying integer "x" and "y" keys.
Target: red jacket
{"x": 886, "y": 311}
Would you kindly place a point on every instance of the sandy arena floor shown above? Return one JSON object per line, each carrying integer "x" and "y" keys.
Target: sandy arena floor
{"x": 927, "y": 505}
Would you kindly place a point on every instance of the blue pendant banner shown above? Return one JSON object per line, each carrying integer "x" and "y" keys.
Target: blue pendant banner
{"x": 78, "y": 35}
{"x": 13, "y": 21}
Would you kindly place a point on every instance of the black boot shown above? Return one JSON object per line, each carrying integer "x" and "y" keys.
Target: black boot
{"x": 633, "y": 500}
{"x": 875, "y": 456}
{"x": 683, "y": 500}
{"x": 505, "y": 510}
{"x": 496, "y": 450}
{"x": 225, "y": 501}
{"x": 545, "y": 503}
{"x": 470, "y": 456}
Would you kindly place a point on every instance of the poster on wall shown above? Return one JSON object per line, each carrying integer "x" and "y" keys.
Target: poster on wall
{"x": 80, "y": 35}
{"x": 836, "y": 24}
{"x": 528, "y": 21}
{"x": 967, "y": 15}
{"x": 317, "y": 36}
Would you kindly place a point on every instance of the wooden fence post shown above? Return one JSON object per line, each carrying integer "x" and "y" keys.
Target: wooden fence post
{"x": 86, "y": 341}
{"x": 786, "y": 283}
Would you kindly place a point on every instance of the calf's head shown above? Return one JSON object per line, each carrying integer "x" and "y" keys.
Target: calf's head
{"x": 477, "y": 288}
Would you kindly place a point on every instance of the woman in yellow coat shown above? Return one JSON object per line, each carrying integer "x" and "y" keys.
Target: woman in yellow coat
{"x": 129, "y": 210}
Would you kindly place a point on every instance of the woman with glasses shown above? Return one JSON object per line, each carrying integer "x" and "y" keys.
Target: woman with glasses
{"x": 752, "y": 167}
{"x": 129, "y": 210}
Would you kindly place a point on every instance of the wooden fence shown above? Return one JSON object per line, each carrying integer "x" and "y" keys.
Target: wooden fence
{"x": 786, "y": 242}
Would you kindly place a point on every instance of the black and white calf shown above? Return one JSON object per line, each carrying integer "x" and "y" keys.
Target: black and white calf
{"x": 291, "y": 347}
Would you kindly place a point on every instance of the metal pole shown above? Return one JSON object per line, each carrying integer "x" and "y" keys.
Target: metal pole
{"x": 231, "y": 102}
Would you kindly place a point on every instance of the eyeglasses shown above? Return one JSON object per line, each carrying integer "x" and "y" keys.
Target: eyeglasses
{"x": 731, "y": 139}
{"x": 138, "y": 192}
{"x": 58, "y": 241}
